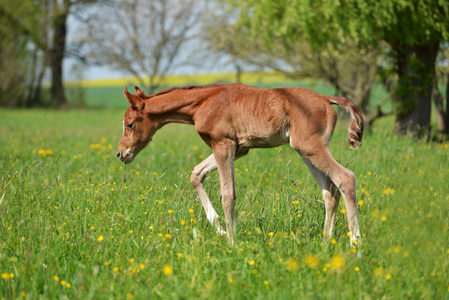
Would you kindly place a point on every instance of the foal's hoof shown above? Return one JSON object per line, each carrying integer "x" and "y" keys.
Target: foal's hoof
{"x": 221, "y": 231}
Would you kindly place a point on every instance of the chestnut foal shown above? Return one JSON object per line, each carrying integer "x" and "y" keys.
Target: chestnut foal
{"x": 232, "y": 119}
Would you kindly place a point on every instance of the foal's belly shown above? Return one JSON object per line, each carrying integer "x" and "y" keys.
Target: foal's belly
{"x": 263, "y": 141}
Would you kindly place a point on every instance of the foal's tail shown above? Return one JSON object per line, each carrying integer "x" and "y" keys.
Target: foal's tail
{"x": 355, "y": 130}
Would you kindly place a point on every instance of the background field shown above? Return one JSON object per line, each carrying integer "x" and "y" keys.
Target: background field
{"x": 76, "y": 223}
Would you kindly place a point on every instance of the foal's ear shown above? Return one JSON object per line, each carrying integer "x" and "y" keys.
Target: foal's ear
{"x": 132, "y": 99}
{"x": 141, "y": 94}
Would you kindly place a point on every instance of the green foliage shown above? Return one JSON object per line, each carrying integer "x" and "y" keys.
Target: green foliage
{"x": 76, "y": 223}
{"x": 20, "y": 37}
{"x": 366, "y": 22}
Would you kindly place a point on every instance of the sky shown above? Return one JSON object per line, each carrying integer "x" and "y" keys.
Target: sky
{"x": 75, "y": 71}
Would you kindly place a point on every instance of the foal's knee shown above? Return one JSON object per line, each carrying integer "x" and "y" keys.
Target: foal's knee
{"x": 195, "y": 179}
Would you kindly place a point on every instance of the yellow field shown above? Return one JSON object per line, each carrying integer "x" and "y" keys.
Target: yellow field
{"x": 180, "y": 80}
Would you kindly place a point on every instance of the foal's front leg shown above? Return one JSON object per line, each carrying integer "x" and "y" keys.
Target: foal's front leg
{"x": 224, "y": 154}
{"x": 199, "y": 173}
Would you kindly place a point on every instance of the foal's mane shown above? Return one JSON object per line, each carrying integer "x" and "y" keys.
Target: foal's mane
{"x": 189, "y": 87}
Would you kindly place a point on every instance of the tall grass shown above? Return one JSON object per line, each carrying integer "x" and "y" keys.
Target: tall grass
{"x": 76, "y": 223}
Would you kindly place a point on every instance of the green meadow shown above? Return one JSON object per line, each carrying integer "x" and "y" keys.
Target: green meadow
{"x": 75, "y": 223}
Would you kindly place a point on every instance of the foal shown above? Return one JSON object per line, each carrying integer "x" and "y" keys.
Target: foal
{"x": 232, "y": 119}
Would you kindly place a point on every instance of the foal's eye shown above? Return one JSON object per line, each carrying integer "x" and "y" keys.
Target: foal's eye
{"x": 131, "y": 125}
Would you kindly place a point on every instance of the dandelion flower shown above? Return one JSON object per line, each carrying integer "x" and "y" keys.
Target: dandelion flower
{"x": 337, "y": 262}
{"x": 292, "y": 264}
{"x": 100, "y": 238}
{"x": 311, "y": 261}
{"x": 251, "y": 263}
{"x": 388, "y": 276}
{"x": 167, "y": 270}
{"x": 388, "y": 191}
{"x": 378, "y": 272}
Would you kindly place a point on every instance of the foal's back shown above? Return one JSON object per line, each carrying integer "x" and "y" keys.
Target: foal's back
{"x": 260, "y": 118}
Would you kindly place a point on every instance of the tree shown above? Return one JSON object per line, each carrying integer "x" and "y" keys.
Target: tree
{"x": 442, "y": 101}
{"x": 412, "y": 29}
{"x": 60, "y": 11}
{"x": 33, "y": 36}
{"x": 143, "y": 38}
{"x": 19, "y": 53}
{"x": 352, "y": 72}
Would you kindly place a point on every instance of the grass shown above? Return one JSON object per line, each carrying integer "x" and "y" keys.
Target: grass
{"x": 76, "y": 223}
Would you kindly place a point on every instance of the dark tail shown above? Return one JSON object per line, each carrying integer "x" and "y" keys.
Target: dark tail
{"x": 355, "y": 130}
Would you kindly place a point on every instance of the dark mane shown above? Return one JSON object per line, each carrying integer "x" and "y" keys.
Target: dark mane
{"x": 188, "y": 87}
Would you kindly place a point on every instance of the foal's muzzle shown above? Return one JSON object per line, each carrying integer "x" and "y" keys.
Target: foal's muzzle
{"x": 127, "y": 157}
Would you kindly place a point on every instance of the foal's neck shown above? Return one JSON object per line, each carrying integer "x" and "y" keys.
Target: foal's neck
{"x": 177, "y": 106}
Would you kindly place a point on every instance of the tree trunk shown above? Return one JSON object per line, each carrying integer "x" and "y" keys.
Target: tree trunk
{"x": 416, "y": 70}
{"x": 56, "y": 56}
{"x": 447, "y": 106}
{"x": 438, "y": 99}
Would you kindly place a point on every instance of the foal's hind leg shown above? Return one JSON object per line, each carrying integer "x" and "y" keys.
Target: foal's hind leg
{"x": 331, "y": 196}
{"x": 319, "y": 156}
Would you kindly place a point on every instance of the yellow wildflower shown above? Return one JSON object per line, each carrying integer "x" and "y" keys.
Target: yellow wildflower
{"x": 378, "y": 272}
{"x": 337, "y": 263}
{"x": 167, "y": 270}
{"x": 292, "y": 264}
{"x": 7, "y": 276}
{"x": 388, "y": 191}
{"x": 311, "y": 261}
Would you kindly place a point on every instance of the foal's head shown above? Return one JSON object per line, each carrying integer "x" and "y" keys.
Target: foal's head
{"x": 138, "y": 129}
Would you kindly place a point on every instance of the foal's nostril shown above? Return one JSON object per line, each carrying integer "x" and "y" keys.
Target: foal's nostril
{"x": 118, "y": 154}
